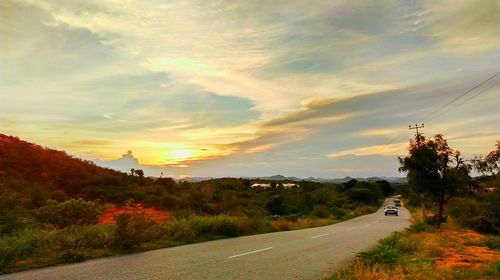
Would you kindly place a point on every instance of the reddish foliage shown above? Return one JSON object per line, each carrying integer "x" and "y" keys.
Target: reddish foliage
{"x": 150, "y": 212}
{"x": 55, "y": 169}
{"x": 466, "y": 256}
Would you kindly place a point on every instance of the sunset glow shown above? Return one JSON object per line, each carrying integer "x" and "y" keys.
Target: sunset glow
{"x": 250, "y": 88}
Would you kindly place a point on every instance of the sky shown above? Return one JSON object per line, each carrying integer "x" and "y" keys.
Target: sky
{"x": 250, "y": 88}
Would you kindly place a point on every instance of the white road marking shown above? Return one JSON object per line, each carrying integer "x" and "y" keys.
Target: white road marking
{"x": 321, "y": 235}
{"x": 248, "y": 253}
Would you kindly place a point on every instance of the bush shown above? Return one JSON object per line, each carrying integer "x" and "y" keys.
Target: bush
{"x": 220, "y": 225}
{"x": 11, "y": 214}
{"x": 339, "y": 213}
{"x": 463, "y": 209}
{"x": 420, "y": 226}
{"x": 492, "y": 242}
{"x": 280, "y": 225}
{"x": 481, "y": 224}
{"x": 494, "y": 270}
{"x": 130, "y": 229}
{"x": 91, "y": 236}
{"x": 293, "y": 217}
{"x": 180, "y": 229}
{"x": 8, "y": 252}
{"x": 432, "y": 220}
{"x": 69, "y": 212}
{"x": 321, "y": 211}
{"x": 70, "y": 244}
{"x": 473, "y": 213}
{"x": 365, "y": 193}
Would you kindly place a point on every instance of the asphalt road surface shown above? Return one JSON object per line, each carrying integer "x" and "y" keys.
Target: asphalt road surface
{"x": 300, "y": 254}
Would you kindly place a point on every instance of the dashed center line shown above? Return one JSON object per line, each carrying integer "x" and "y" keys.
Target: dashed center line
{"x": 321, "y": 235}
{"x": 248, "y": 253}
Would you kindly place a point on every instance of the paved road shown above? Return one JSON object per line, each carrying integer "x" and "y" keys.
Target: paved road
{"x": 301, "y": 254}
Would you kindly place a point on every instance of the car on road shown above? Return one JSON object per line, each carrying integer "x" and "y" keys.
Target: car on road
{"x": 390, "y": 210}
{"x": 397, "y": 202}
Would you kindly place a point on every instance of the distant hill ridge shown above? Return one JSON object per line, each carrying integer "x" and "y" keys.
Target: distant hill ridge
{"x": 335, "y": 180}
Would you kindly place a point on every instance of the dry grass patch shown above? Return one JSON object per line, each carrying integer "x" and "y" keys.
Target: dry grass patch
{"x": 464, "y": 253}
{"x": 435, "y": 254}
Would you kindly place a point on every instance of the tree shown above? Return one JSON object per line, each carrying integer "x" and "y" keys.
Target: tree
{"x": 490, "y": 163}
{"x": 139, "y": 172}
{"x": 435, "y": 170}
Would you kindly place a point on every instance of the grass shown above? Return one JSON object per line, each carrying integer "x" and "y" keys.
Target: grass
{"x": 424, "y": 252}
{"x": 39, "y": 247}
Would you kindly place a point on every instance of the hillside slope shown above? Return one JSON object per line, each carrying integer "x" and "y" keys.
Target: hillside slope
{"x": 47, "y": 170}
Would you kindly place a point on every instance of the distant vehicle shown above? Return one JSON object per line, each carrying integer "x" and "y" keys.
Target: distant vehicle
{"x": 397, "y": 202}
{"x": 390, "y": 210}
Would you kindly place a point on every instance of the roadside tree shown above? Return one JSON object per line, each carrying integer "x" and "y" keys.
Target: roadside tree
{"x": 435, "y": 171}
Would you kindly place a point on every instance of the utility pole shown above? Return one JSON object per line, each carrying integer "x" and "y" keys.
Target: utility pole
{"x": 422, "y": 196}
{"x": 417, "y": 135}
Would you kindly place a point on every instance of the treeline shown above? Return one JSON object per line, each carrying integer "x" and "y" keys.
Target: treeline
{"x": 229, "y": 196}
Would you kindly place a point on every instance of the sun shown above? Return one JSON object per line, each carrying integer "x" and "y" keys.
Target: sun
{"x": 180, "y": 154}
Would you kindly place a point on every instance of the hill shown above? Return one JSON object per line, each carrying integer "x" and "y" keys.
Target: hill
{"x": 45, "y": 170}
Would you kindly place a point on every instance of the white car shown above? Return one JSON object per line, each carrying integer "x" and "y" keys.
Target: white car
{"x": 390, "y": 210}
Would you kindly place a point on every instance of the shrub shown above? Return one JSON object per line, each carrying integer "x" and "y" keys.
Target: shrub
{"x": 220, "y": 225}
{"x": 321, "y": 211}
{"x": 228, "y": 226}
{"x": 293, "y": 217}
{"x": 8, "y": 252}
{"x": 464, "y": 209}
{"x": 492, "y": 242}
{"x": 494, "y": 271}
{"x": 364, "y": 193}
{"x": 130, "y": 229}
{"x": 473, "y": 213}
{"x": 11, "y": 214}
{"x": 339, "y": 213}
{"x": 275, "y": 205}
{"x": 91, "y": 236}
{"x": 420, "y": 226}
{"x": 481, "y": 224}
{"x": 180, "y": 229}
{"x": 280, "y": 225}
{"x": 69, "y": 212}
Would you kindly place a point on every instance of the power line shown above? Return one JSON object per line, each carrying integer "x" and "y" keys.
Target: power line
{"x": 443, "y": 109}
{"x": 466, "y": 100}
{"x": 437, "y": 112}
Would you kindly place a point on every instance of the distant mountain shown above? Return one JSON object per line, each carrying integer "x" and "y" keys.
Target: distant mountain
{"x": 335, "y": 180}
{"x": 194, "y": 179}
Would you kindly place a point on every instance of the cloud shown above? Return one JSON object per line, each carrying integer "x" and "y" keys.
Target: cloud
{"x": 198, "y": 83}
{"x": 376, "y": 150}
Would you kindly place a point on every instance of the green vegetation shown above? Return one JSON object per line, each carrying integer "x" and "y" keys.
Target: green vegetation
{"x": 435, "y": 171}
{"x": 453, "y": 251}
{"x": 473, "y": 204}
{"x": 428, "y": 253}
{"x": 51, "y": 204}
